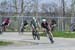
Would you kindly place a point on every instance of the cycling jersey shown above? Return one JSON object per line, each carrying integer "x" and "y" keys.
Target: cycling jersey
{"x": 6, "y": 21}
{"x": 34, "y": 24}
{"x": 45, "y": 25}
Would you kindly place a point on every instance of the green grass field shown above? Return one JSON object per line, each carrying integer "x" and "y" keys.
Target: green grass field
{"x": 62, "y": 34}
{"x": 2, "y": 43}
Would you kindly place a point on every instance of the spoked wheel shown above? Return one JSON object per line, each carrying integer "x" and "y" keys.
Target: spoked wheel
{"x": 36, "y": 35}
{"x": 1, "y": 30}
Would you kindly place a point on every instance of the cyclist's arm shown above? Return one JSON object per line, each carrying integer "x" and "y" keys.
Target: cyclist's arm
{"x": 39, "y": 26}
{"x": 31, "y": 25}
{"x": 3, "y": 22}
{"x": 9, "y": 23}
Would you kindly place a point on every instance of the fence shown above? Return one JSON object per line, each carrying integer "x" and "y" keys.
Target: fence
{"x": 63, "y": 23}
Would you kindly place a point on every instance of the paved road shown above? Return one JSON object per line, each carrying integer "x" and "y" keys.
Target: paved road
{"x": 26, "y": 42}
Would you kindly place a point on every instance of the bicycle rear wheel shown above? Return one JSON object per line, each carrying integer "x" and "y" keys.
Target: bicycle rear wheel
{"x": 38, "y": 36}
{"x": 1, "y": 30}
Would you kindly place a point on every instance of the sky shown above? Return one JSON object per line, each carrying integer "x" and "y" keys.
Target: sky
{"x": 48, "y": 1}
{"x": 58, "y": 2}
{"x": 68, "y": 2}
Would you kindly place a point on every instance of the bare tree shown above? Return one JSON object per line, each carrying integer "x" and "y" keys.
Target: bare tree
{"x": 3, "y": 7}
{"x": 22, "y": 7}
{"x": 49, "y": 8}
{"x": 73, "y": 8}
{"x": 14, "y": 6}
{"x": 63, "y": 7}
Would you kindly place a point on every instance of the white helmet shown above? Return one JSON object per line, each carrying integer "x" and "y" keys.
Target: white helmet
{"x": 34, "y": 18}
{"x": 44, "y": 20}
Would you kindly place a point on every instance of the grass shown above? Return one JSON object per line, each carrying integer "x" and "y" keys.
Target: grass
{"x": 62, "y": 34}
{"x": 2, "y": 43}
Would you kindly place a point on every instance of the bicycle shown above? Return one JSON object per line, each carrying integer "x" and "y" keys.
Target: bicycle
{"x": 35, "y": 34}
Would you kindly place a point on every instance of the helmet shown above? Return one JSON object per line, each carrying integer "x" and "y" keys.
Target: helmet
{"x": 34, "y": 18}
{"x": 44, "y": 20}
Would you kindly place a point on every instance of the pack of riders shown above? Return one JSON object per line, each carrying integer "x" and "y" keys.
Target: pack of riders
{"x": 34, "y": 24}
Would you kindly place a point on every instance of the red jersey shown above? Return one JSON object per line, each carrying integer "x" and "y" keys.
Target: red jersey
{"x": 6, "y": 20}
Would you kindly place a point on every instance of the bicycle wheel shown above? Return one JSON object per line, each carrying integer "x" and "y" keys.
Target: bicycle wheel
{"x": 33, "y": 34}
{"x": 1, "y": 30}
{"x": 37, "y": 35}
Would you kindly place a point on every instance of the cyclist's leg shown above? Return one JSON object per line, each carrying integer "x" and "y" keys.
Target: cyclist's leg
{"x": 50, "y": 35}
{"x": 22, "y": 30}
{"x": 33, "y": 34}
{"x": 4, "y": 26}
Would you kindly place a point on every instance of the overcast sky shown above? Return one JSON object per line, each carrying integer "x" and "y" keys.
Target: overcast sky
{"x": 68, "y": 2}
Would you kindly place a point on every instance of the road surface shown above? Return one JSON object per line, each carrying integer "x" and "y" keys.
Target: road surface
{"x": 26, "y": 42}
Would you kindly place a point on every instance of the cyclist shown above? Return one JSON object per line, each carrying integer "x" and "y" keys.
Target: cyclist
{"x": 47, "y": 29}
{"x": 5, "y": 23}
{"x": 23, "y": 24}
{"x": 34, "y": 25}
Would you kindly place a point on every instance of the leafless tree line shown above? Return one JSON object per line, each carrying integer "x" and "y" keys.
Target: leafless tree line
{"x": 33, "y": 8}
